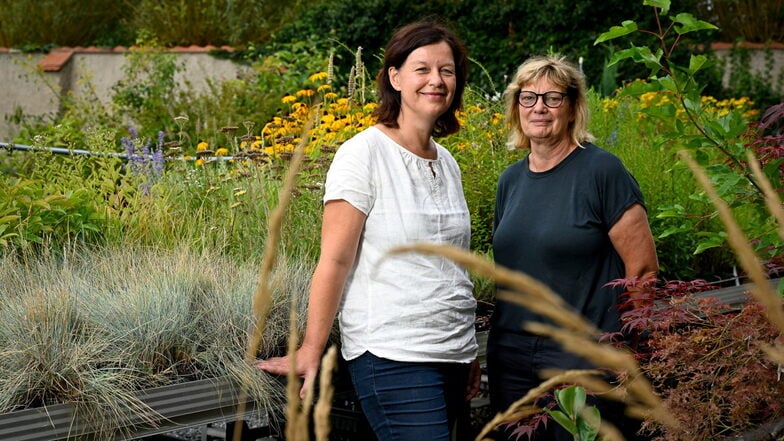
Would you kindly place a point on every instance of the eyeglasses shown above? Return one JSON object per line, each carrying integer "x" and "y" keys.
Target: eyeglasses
{"x": 551, "y": 99}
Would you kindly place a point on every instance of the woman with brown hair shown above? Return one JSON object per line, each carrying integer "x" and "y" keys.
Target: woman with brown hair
{"x": 406, "y": 321}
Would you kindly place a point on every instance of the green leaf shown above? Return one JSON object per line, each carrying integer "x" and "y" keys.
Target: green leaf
{"x": 668, "y": 83}
{"x": 626, "y": 28}
{"x": 692, "y": 105}
{"x": 673, "y": 230}
{"x": 676, "y": 210}
{"x": 563, "y": 420}
{"x": 712, "y": 240}
{"x": 588, "y": 423}
{"x": 638, "y": 88}
{"x": 639, "y": 55}
{"x": 579, "y": 397}
{"x": 679, "y": 126}
{"x": 567, "y": 398}
{"x": 664, "y": 5}
{"x": 697, "y": 62}
{"x": 690, "y": 24}
{"x": 9, "y": 218}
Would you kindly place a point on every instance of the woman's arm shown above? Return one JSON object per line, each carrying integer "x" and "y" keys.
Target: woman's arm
{"x": 340, "y": 232}
{"x": 632, "y": 238}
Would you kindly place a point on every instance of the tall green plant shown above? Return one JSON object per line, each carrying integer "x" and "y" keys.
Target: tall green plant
{"x": 718, "y": 142}
{"x": 148, "y": 89}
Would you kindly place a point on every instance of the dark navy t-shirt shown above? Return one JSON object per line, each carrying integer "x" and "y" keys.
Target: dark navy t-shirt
{"x": 554, "y": 227}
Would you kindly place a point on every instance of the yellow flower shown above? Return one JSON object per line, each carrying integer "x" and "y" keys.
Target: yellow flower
{"x": 752, "y": 113}
{"x": 330, "y": 95}
{"x": 199, "y": 162}
{"x": 288, "y": 99}
{"x": 323, "y": 88}
{"x": 223, "y": 151}
{"x": 318, "y": 76}
{"x": 201, "y": 146}
{"x": 305, "y": 92}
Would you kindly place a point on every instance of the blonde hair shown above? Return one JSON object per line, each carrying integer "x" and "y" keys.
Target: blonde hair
{"x": 560, "y": 72}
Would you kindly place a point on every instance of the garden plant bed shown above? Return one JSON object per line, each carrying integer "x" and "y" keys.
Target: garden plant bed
{"x": 181, "y": 405}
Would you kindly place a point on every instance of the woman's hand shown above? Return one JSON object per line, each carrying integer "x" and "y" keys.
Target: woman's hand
{"x": 474, "y": 378}
{"x": 307, "y": 365}
{"x": 340, "y": 232}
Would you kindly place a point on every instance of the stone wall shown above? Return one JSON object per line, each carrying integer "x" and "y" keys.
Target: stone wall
{"x": 34, "y": 84}
{"x": 765, "y": 61}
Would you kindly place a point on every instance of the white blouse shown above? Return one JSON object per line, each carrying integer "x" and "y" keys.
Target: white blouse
{"x": 407, "y": 307}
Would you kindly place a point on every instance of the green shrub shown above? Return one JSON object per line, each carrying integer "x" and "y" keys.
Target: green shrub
{"x": 33, "y": 215}
{"x": 499, "y": 34}
{"x": 215, "y": 22}
{"x": 718, "y": 138}
{"x": 43, "y": 23}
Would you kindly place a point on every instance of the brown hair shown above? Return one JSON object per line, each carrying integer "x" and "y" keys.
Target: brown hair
{"x": 403, "y": 42}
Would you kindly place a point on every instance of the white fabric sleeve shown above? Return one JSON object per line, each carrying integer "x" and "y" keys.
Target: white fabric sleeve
{"x": 349, "y": 176}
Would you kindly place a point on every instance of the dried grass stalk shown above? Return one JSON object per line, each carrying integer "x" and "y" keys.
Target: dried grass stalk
{"x": 262, "y": 298}
{"x": 609, "y": 432}
{"x": 597, "y": 386}
{"x": 326, "y": 392}
{"x": 771, "y": 197}
{"x": 775, "y": 353}
{"x": 761, "y": 290}
{"x": 293, "y": 410}
{"x": 640, "y": 392}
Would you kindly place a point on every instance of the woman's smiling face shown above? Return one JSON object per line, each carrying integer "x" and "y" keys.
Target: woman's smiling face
{"x": 426, "y": 81}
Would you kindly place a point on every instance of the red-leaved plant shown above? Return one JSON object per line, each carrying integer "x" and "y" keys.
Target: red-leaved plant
{"x": 706, "y": 360}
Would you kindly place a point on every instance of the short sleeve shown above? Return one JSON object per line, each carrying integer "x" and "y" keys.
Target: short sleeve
{"x": 619, "y": 191}
{"x": 349, "y": 177}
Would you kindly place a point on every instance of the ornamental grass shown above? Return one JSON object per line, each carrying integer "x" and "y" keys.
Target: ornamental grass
{"x": 94, "y": 327}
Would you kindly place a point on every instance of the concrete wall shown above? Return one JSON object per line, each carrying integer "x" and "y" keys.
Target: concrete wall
{"x": 33, "y": 84}
{"x": 765, "y": 62}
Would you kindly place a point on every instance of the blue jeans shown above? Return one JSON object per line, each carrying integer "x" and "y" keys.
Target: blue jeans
{"x": 410, "y": 401}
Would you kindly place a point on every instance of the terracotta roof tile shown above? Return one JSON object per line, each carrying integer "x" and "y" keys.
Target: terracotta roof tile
{"x": 55, "y": 60}
{"x": 96, "y": 49}
{"x": 747, "y": 45}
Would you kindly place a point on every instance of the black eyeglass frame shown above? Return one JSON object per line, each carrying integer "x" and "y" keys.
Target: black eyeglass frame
{"x": 543, "y": 95}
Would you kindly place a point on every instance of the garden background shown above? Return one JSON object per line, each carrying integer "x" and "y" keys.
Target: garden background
{"x": 159, "y": 234}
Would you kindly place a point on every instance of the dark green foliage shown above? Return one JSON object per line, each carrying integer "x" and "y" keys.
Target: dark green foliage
{"x": 39, "y": 23}
{"x": 499, "y": 34}
{"x": 215, "y": 22}
{"x": 757, "y": 21}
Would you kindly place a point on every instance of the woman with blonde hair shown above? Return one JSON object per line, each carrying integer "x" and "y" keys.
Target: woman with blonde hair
{"x": 570, "y": 215}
